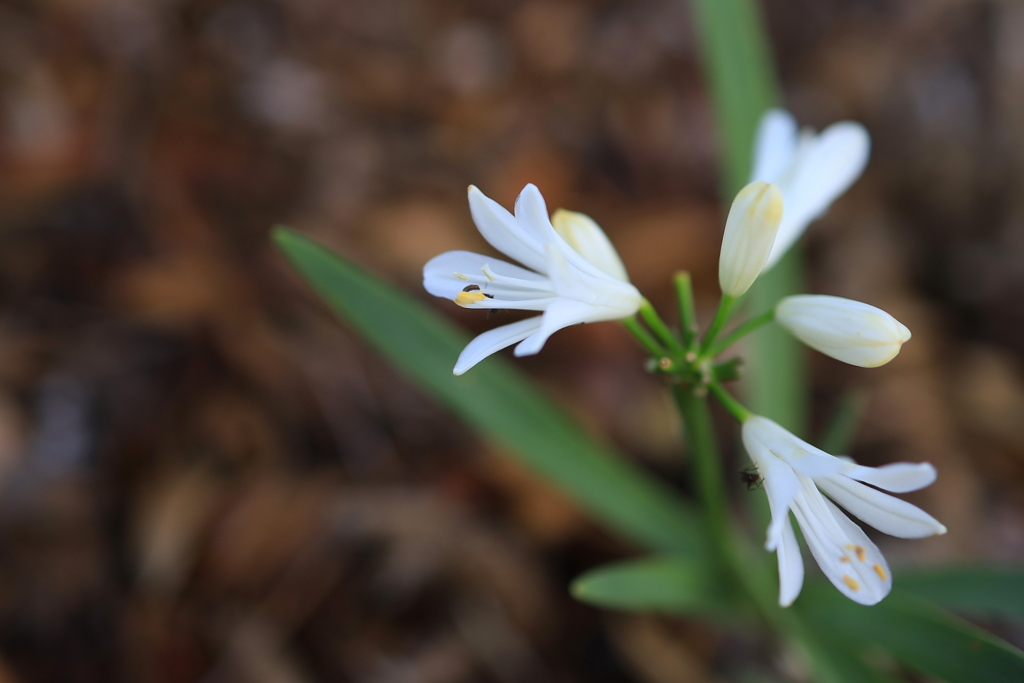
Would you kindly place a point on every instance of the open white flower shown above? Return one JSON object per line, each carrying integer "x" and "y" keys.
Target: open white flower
{"x": 796, "y": 473}
{"x": 847, "y": 330}
{"x": 576, "y": 276}
{"x": 812, "y": 170}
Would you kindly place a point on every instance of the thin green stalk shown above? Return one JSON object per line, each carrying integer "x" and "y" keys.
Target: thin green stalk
{"x": 687, "y": 309}
{"x": 729, "y": 403}
{"x": 644, "y": 337}
{"x": 659, "y": 328}
{"x": 740, "y": 332}
{"x": 721, "y": 317}
{"x": 707, "y": 465}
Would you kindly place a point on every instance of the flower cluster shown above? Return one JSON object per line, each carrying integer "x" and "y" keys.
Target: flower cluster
{"x": 574, "y": 275}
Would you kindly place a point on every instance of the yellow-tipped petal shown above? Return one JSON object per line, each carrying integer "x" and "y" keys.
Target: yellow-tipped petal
{"x": 749, "y": 235}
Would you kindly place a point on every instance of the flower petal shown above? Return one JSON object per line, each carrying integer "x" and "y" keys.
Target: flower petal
{"x": 804, "y": 458}
{"x": 588, "y": 239}
{"x": 887, "y": 514}
{"x": 503, "y": 231}
{"x": 618, "y": 299}
{"x": 845, "y": 554}
{"x": 823, "y": 169}
{"x": 898, "y": 477}
{"x": 561, "y": 313}
{"x": 449, "y": 273}
{"x": 791, "y": 566}
{"x": 774, "y": 146}
{"x": 780, "y": 483}
{"x": 495, "y": 340}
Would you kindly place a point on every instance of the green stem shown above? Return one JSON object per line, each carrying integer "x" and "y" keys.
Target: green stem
{"x": 740, "y": 332}
{"x": 659, "y": 328}
{"x": 644, "y": 337}
{"x": 721, "y": 316}
{"x": 687, "y": 309}
{"x": 707, "y": 465}
{"x": 729, "y": 403}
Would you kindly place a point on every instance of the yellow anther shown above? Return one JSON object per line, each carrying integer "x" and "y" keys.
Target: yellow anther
{"x": 861, "y": 555}
{"x": 881, "y": 572}
{"x": 467, "y": 298}
{"x": 461, "y": 276}
{"x": 851, "y": 582}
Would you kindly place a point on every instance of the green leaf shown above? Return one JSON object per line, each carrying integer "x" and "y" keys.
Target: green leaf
{"x": 498, "y": 401}
{"x": 739, "y": 68}
{"x": 920, "y": 635}
{"x": 976, "y": 591}
{"x": 664, "y": 584}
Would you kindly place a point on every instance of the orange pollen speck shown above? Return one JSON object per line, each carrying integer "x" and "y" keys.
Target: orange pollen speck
{"x": 861, "y": 555}
{"x": 881, "y": 572}
{"x": 851, "y": 582}
{"x": 844, "y": 558}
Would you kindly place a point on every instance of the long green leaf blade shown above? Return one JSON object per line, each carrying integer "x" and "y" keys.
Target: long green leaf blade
{"x": 976, "y": 591}
{"x": 498, "y": 401}
{"x": 739, "y": 69}
{"x": 918, "y": 634}
{"x": 663, "y": 584}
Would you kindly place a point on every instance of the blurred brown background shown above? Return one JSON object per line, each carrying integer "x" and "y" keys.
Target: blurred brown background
{"x": 204, "y": 477}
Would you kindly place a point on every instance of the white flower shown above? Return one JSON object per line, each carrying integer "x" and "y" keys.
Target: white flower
{"x": 796, "y": 473}
{"x": 811, "y": 170}
{"x": 576, "y": 275}
{"x": 844, "y": 329}
{"x": 749, "y": 234}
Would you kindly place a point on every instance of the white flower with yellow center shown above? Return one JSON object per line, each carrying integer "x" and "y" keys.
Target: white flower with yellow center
{"x": 575, "y": 275}
{"x": 796, "y": 474}
{"x": 812, "y": 170}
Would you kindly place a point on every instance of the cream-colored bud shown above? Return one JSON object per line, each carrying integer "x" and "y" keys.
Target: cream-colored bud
{"x": 749, "y": 235}
{"x": 589, "y": 241}
{"x": 844, "y": 329}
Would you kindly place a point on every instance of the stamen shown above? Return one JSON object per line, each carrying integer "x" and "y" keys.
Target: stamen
{"x": 460, "y": 276}
{"x": 881, "y": 572}
{"x": 851, "y": 583}
{"x": 861, "y": 553}
{"x": 488, "y": 273}
{"x": 467, "y": 298}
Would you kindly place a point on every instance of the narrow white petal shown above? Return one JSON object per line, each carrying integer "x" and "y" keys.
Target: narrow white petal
{"x": 510, "y": 304}
{"x": 804, "y": 458}
{"x": 887, "y": 514}
{"x": 791, "y": 566}
{"x": 845, "y": 554}
{"x": 850, "y": 331}
{"x": 898, "y": 477}
{"x": 503, "y": 232}
{"x": 532, "y": 213}
{"x": 561, "y": 313}
{"x": 588, "y": 239}
{"x": 449, "y": 273}
{"x": 823, "y": 169}
{"x": 619, "y": 299}
{"x": 774, "y": 145}
{"x": 780, "y": 483}
{"x": 749, "y": 234}
{"x": 495, "y": 340}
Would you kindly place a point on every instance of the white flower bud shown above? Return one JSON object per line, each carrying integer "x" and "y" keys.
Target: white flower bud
{"x": 844, "y": 329}
{"x": 749, "y": 235}
{"x": 589, "y": 241}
